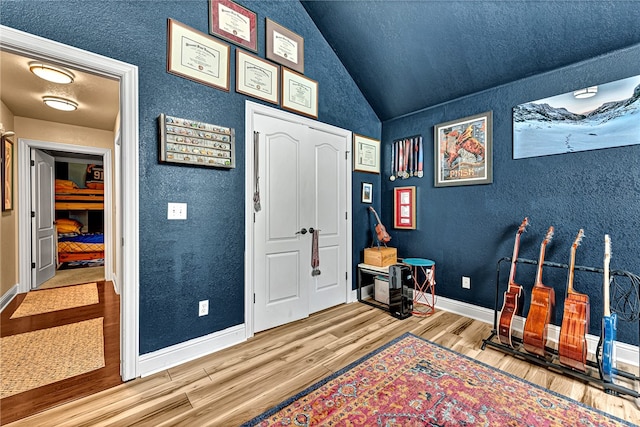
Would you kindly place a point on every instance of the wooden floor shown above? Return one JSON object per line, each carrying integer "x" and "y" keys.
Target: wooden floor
{"x": 33, "y": 401}
{"x": 238, "y": 383}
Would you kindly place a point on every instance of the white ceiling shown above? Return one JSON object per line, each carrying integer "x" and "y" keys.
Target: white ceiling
{"x": 22, "y": 92}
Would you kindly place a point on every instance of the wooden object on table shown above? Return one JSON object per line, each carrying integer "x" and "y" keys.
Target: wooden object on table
{"x": 380, "y": 256}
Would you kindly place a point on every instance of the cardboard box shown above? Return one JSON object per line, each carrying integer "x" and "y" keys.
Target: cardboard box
{"x": 381, "y": 289}
{"x": 380, "y": 257}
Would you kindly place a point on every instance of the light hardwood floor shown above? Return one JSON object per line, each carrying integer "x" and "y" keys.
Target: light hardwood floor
{"x": 238, "y": 383}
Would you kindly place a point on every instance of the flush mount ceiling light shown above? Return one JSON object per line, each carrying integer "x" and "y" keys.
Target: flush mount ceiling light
{"x": 60, "y": 103}
{"x": 587, "y": 92}
{"x": 51, "y": 73}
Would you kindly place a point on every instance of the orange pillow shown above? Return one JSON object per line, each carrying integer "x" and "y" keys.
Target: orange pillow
{"x": 65, "y": 225}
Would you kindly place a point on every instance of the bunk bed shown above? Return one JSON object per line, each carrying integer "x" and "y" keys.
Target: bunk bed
{"x": 73, "y": 244}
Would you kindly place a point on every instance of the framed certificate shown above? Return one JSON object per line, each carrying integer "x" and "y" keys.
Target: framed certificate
{"x": 197, "y": 56}
{"x": 299, "y": 93}
{"x": 366, "y": 154}
{"x": 404, "y": 208}
{"x": 232, "y": 22}
{"x": 284, "y": 46}
{"x": 257, "y": 77}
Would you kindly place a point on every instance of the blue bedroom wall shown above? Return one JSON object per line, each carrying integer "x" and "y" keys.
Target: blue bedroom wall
{"x": 467, "y": 229}
{"x": 182, "y": 262}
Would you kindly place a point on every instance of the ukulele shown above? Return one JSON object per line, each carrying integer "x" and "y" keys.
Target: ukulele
{"x": 543, "y": 299}
{"x": 572, "y": 346}
{"x": 383, "y": 236}
{"x": 609, "y": 322}
{"x": 513, "y": 294}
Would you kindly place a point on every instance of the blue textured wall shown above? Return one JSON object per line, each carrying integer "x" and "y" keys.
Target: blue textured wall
{"x": 182, "y": 262}
{"x": 466, "y": 230}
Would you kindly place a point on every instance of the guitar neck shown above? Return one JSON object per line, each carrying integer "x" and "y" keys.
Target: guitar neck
{"x": 571, "y": 267}
{"x": 376, "y": 214}
{"x": 540, "y": 262}
{"x": 605, "y": 287}
{"x": 516, "y": 247}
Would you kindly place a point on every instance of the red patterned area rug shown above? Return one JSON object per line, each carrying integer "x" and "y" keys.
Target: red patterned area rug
{"x": 414, "y": 382}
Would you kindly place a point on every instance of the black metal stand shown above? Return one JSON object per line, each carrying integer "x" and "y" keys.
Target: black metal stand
{"x": 549, "y": 362}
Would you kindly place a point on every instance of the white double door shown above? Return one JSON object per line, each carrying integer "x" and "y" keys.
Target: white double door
{"x": 302, "y": 180}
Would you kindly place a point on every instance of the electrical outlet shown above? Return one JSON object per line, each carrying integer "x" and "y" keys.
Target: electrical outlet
{"x": 466, "y": 282}
{"x": 177, "y": 211}
{"x": 203, "y": 308}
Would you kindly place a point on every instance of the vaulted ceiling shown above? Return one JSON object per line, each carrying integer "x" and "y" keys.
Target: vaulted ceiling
{"x": 409, "y": 55}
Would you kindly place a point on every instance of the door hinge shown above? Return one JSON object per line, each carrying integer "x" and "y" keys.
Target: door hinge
{"x": 346, "y": 215}
{"x": 33, "y": 214}
{"x": 122, "y": 241}
{"x": 33, "y": 163}
{"x": 346, "y": 275}
{"x": 254, "y": 298}
{"x": 33, "y": 265}
{"x": 346, "y": 155}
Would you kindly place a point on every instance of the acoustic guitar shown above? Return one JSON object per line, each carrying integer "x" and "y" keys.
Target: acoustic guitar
{"x": 609, "y": 322}
{"x": 572, "y": 346}
{"x": 381, "y": 231}
{"x": 511, "y": 302}
{"x": 543, "y": 299}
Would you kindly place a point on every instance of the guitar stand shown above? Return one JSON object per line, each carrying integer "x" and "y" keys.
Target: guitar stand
{"x": 548, "y": 362}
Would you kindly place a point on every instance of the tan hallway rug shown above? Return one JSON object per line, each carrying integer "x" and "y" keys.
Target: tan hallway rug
{"x": 74, "y": 276}
{"x": 38, "y": 358}
{"x": 45, "y": 301}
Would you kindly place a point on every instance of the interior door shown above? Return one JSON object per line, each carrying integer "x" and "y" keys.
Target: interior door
{"x": 43, "y": 246}
{"x": 302, "y": 184}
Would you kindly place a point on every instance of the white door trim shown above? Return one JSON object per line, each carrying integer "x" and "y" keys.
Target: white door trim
{"x": 41, "y": 48}
{"x": 24, "y": 202}
{"x": 251, "y": 109}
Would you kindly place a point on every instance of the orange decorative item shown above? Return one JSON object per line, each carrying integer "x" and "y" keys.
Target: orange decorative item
{"x": 381, "y": 231}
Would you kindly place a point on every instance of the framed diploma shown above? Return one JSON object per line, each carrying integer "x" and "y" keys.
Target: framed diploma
{"x": 284, "y": 46}
{"x": 234, "y": 23}
{"x": 197, "y": 56}
{"x": 257, "y": 77}
{"x": 404, "y": 208}
{"x": 7, "y": 174}
{"x": 299, "y": 93}
{"x": 366, "y": 154}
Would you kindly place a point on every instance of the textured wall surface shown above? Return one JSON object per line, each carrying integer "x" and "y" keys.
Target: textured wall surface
{"x": 182, "y": 262}
{"x": 466, "y": 230}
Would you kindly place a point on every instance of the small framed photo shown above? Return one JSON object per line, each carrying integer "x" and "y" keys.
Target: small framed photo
{"x": 404, "y": 208}
{"x": 234, "y": 23}
{"x": 366, "y": 154}
{"x": 284, "y": 46}
{"x": 367, "y": 192}
{"x": 256, "y": 77}
{"x": 197, "y": 56}
{"x": 299, "y": 93}
{"x": 463, "y": 151}
{"x": 7, "y": 174}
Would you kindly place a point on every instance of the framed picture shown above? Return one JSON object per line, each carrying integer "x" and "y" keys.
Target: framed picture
{"x": 284, "y": 46}
{"x": 404, "y": 208}
{"x": 367, "y": 192}
{"x": 256, "y": 77}
{"x": 463, "y": 151}
{"x": 299, "y": 93}
{"x": 589, "y": 118}
{"x": 197, "y": 56}
{"x": 366, "y": 154}
{"x": 7, "y": 174}
{"x": 232, "y": 22}
{"x": 196, "y": 143}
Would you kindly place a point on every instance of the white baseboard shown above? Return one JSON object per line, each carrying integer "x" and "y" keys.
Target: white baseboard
{"x": 625, "y": 353}
{"x": 178, "y": 354}
{"x": 8, "y": 297}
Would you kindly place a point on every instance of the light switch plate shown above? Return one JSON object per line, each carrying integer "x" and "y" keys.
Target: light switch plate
{"x": 177, "y": 211}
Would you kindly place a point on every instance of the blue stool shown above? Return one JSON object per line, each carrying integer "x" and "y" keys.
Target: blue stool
{"x": 422, "y": 307}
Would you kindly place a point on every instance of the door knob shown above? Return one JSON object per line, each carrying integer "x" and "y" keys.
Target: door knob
{"x": 302, "y": 231}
